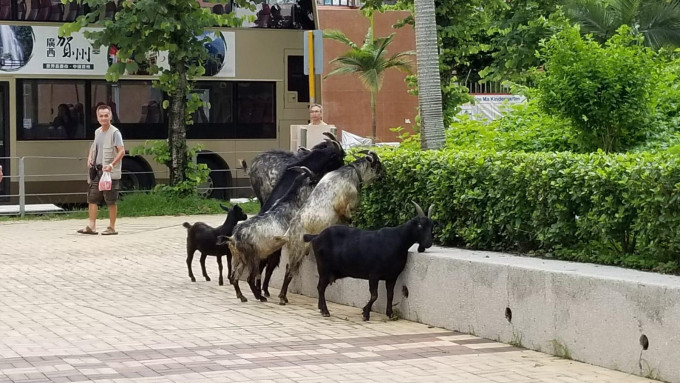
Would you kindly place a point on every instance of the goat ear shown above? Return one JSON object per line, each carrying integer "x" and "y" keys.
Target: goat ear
{"x": 302, "y": 149}
{"x": 419, "y": 210}
{"x": 429, "y": 211}
{"x": 244, "y": 165}
{"x": 224, "y": 207}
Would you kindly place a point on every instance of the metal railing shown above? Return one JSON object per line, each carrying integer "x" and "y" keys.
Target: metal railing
{"x": 30, "y": 169}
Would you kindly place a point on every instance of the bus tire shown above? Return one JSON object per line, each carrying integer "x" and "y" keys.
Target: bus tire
{"x": 135, "y": 176}
{"x": 218, "y": 179}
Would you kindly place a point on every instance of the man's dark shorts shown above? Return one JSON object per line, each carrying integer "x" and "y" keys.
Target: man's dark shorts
{"x": 109, "y": 196}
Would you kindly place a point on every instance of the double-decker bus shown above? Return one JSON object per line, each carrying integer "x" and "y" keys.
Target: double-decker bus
{"x": 50, "y": 87}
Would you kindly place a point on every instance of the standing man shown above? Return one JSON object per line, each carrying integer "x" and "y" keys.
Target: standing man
{"x": 316, "y": 115}
{"x": 106, "y": 155}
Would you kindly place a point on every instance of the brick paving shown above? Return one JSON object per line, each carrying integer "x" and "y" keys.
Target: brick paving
{"x": 76, "y": 308}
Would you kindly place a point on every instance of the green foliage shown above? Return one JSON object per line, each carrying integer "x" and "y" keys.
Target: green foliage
{"x": 612, "y": 209}
{"x": 658, "y": 21}
{"x": 606, "y": 92}
{"x": 516, "y": 31}
{"x": 195, "y": 173}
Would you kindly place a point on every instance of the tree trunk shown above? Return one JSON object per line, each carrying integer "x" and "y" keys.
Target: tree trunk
{"x": 177, "y": 133}
{"x": 374, "y": 129}
{"x": 429, "y": 83}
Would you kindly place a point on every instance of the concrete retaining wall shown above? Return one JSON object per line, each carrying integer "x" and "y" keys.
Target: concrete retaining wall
{"x": 594, "y": 314}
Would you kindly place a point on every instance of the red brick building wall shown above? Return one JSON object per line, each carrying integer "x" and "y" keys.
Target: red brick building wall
{"x": 347, "y": 103}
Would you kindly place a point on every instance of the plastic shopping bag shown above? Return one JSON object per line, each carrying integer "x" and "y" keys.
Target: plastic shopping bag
{"x": 105, "y": 181}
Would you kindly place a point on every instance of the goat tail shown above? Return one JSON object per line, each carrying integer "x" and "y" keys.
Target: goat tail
{"x": 309, "y": 237}
{"x": 187, "y": 225}
{"x": 244, "y": 165}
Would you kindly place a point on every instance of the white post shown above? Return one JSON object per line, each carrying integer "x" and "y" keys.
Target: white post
{"x": 22, "y": 188}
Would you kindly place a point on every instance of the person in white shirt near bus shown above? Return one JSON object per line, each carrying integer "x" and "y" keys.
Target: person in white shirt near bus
{"x": 106, "y": 155}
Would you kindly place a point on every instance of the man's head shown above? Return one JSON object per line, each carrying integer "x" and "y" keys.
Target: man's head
{"x": 315, "y": 114}
{"x": 104, "y": 116}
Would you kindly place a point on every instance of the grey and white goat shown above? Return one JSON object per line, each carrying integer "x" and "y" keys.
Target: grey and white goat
{"x": 332, "y": 201}
{"x": 267, "y": 167}
{"x": 257, "y": 238}
{"x": 203, "y": 237}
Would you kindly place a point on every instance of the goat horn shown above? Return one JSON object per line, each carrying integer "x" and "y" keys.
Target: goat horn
{"x": 331, "y": 136}
{"x": 419, "y": 210}
{"x": 224, "y": 207}
{"x": 429, "y": 211}
{"x": 366, "y": 152}
{"x": 302, "y": 169}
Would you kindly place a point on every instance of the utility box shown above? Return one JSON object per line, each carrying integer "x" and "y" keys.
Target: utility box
{"x": 308, "y": 135}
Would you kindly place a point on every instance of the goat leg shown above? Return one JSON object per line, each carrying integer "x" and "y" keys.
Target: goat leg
{"x": 229, "y": 267}
{"x": 284, "y": 287}
{"x": 190, "y": 257}
{"x": 205, "y": 274}
{"x": 389, "y": 286}
{"x": 272, "y": 262}
{"x": 254, "y": 288}
{"x": 239, "y": 294}
{"x": 373, "y": 288}
{"x": 219, "y": 266}
{"x": 321, "y": 288}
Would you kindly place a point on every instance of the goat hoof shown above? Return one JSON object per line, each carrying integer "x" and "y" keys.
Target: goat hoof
{"x": 283, "y": 302}
{"x": 207, "y": 279}
{"x": 243, "y": 299}
{"x": 193, "y": 279}
{"x": 326, "y": 315}
{"x": 365, "y": 317}
{"x": 221, "y": 283}
{"x": 266, "y": 293}
{"x": 262, "y": 299}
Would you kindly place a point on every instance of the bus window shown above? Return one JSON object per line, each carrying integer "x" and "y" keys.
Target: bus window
{"x": 237, "y": 109}
{"x": 136, "y": 108}
{"x": 51, "y": 109}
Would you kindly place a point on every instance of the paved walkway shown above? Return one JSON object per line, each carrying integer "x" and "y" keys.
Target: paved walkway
{"x": 122, "y": 309}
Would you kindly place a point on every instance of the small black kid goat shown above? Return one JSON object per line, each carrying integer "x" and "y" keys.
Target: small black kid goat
{"x": 380, "y": 255}
{"x": 203, "y": 237}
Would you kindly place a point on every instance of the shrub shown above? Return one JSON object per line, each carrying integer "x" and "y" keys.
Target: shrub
{"x": 606, "y": 92}
{"x": 613, "y": 209}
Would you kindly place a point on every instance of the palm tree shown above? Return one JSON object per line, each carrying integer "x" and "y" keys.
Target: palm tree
{"x": 369, "y": 62}
{"x": 429, "y": 80}
{"x": 657, "y": 20}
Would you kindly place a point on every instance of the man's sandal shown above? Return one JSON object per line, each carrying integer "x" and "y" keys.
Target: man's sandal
{"x": 87, "y": 230}
{"x": 109, "y": 231}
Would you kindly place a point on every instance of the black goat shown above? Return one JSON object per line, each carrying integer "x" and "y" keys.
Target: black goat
{"x": 267, "y": 167}
{"x": 203, "y": 237}
{"x": 380, "y": 255}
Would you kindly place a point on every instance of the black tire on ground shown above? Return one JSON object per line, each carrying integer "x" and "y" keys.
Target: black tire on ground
{"x": 135, "y": 176}
{"x": 218, "y": 180}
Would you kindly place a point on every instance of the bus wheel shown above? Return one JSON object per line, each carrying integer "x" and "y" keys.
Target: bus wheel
{"x": 135, "y": 176}
{"x": 217, "y": 182}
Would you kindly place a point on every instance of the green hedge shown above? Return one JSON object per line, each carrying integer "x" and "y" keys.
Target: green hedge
{"x": 612, "y": 209}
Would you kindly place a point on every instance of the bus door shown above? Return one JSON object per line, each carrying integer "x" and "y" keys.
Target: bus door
{"x": 4, "y": 138}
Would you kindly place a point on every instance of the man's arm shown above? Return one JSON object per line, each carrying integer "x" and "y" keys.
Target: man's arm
{"x": 116, "y": 160}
